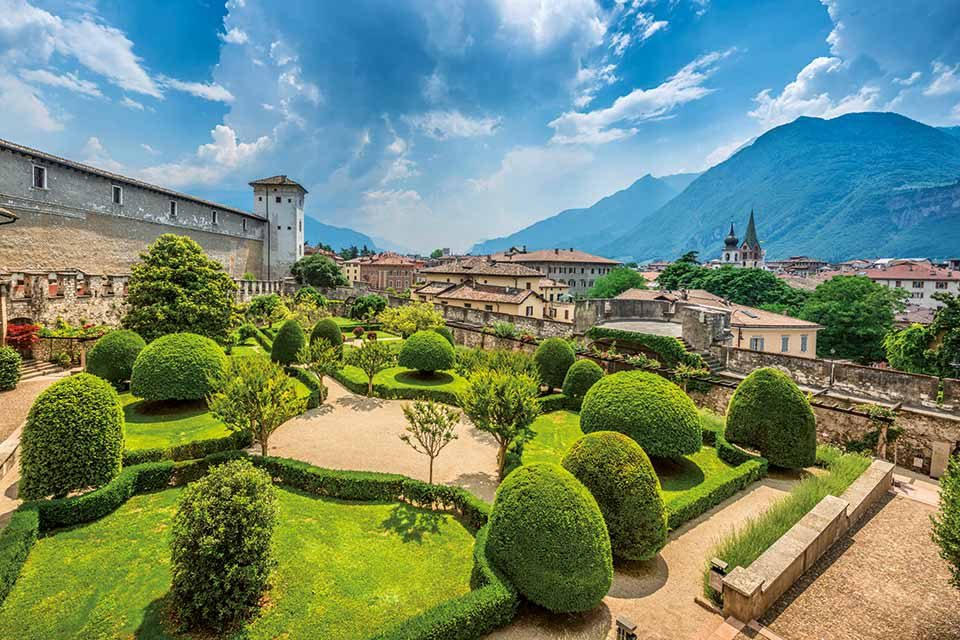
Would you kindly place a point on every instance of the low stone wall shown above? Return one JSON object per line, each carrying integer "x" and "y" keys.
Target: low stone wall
{"x": 474, "y": 338}
{"x": 749, "y": 591}
{"x": 536, "y": 326}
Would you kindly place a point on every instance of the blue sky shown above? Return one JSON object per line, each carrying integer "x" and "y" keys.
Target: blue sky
{"x": 442, "y": 123}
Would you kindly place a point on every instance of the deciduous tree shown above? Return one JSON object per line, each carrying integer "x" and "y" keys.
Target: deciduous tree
{"x": 318, "y": 271}
{"x": 371, "y": 357}
{"x": 410, "y": 318}
{"x": 616, "y": 282}
{"x": 431, "y": 426}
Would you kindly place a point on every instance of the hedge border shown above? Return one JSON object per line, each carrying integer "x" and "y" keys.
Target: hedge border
{"x": 670, "y": 349}
{"x": 310, "y": 381}
{"x": 188, "y": 450}
{"x": 491, "y": 603}
{"x": 396, "y": 393}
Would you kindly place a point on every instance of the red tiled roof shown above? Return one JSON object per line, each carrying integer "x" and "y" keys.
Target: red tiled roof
{"x": 482, "y": 266}
{"x": 740, "y": 315}
{"x": 552, "y": 255}
{"x": 913, "y": 272}
{"x": 486, "y": 293}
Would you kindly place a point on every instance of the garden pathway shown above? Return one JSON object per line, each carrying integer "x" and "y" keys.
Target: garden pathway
{"x": 15, "y": 404}
{"x": 356, "y": 432}
{"x": 657, "y": 595}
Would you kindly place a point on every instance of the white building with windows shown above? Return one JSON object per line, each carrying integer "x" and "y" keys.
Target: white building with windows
{"x": 279, "y": 200}
{"x": 919, "y": 279}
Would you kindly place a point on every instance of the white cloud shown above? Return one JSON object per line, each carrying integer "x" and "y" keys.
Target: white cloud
{"x": 544, "y": 22}
{"x": 955, "y": 112}
{"x": 909, "y": 80}
{"x": 213, "y": 91}
{"x": 149, "y": 149}
{"x": 647, "y": 25}
{"x": 590, "y": 80}
{"x": 69, "y": 81}
{"x": 130, "y": 103}
{"x": 96, "y": 155}
{"x": 281, "y": 53}
{"x": 393, "y": 206}
{"x": 22, "y": 105}
{"x": 292, "y": 84}
{"x": 435, "y": 87}
{"x": 612, "y": 123}
{"x": 443, "y": 125}
{"x": 946, "y": 80}
{"x": 211, "y": 162}
{"x": 234, "y": 36}
{"x": 724, "y": 151}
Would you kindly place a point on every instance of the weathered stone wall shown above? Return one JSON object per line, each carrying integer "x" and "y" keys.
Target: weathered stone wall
{"x": 97, "y": 299}
{"x": 536, "y": 326}
{"x": 589, "y": 313}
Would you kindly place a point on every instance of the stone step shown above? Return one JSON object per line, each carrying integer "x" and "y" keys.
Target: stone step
{"x": 35, "y": 369}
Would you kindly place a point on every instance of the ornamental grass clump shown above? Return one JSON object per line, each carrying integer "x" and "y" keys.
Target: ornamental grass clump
{"x": 426, "y": 351}
{"x": 554, "y": 356}
{"x": 179, "y": 366}
{"x": 113, "y": 355}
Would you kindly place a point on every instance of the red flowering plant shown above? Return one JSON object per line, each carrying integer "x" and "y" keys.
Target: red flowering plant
{"x": 22, "y": 336}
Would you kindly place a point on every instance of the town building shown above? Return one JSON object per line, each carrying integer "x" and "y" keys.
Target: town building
{"x": 798, "y": 265}
{"x": 751, "y": 328}
{"x": 578, "y": 269}
{"x": 382, "y": 271}
{"x": 919, "y": 279}
{"x": 748, "y": 253}
{"x": 70, "y": 215}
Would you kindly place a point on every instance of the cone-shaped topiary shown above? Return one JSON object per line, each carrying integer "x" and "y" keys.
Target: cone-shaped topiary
{"x": 290, "y": 339}
{"x": 554, "y": 356}
{"x": 112, "y": 357}
{"x": 768, "y": 412}
{"x": 548, "y": 536}
{"x": 73, "y": 438}
{"x": 426, "y": 351}
{"x": 619, "y": 475}
{"x": 10, "y": 367}
{"x": 179, "y": 366}
{"x": 327, "y": 329}
{"x": 650, "y": 409}
{"x": 581, "y": 375}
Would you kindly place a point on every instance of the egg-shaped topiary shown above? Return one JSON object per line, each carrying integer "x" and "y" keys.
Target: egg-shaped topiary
{"x": 426, "y": 351}
{"x": 73, "y": 438}
{"x": 769, "y": 413}
{"x": 178, "y": 366}
{"x": 650, "y": 409}
{"x": 620, "y": 477}
{"x": 547, "y": 535}
{"x": 290, "y": 339}
{"x": 11, "y": 365}
{"x": 113, "y": 355}
{"x": 553, "y": 357}
{"x": 327, "y": 329}
{"x": 581, "y": 375}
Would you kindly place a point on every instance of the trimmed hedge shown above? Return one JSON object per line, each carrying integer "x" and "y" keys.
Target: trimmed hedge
{"x": 670, "y": 350}
{"x": 358, "y": 385}
{"x": 701, "y": 499}
{"x": 548, "y": 537}
{"x": 113, "y": 355}
{"x": 10, "y": 367}
{"x": 769, "y": 413}
{"x": 581, "y": 375}
{"x": 447, "y": 334}
{"x": 265, "y": 342}
{"x": 619, "y": 475}
{"x": 178, "y": 366}
{"x": 427, "y": 351}
{"x": 556, "y": 402}
{"x": 554, "y": 356}
{"x": 73, "y": 438}
{"x": 189, "y": 450}
{"x": 327, "y": 329}
{"x": 318, "y": 390}
{"x": 16, "y": 541}
{"x": 648, "y": 408}
{"x": 290, "y": 339}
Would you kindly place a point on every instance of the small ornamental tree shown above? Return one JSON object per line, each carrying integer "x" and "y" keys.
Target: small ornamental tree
{"x": 368, "y": 306}
{"x": 328, "y": 330}
{"x": 73, "y": 438}
{"x": 113, "y": 355}
{"x": 502, "y": 404}
{"x": 581, "y": 375}
{"x": 768, "y": 412}
{"x": 318, "y": 270}
{"x": 320, "y": 358}
{"x": 309, "y": 295}
{"x": 371, "y": 357}
{"x": 10, "y": 368}
{"x": 179, "y": 366}
{"x": 547, "y": 534}
{"x": 288, "y": 343}
{"x": 256, "y": 396}
{"x": 946, "y": 524}
{"x": 221, "y": 546}
{"x": 410, "y": 318}
{"x": 431, "y": 426}
{"x": 554, "y": 356}
{"x": 175, "y": 287}
{"x": 267, "y": 309}
{"x": 427, "y": 351}
{"x": 619, "y": 475}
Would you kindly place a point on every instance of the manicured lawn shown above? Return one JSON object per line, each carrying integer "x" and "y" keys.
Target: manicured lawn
{"x": 402, "y": 378}
{"x": 346, "y": 570}
{"x": 381, "y": 335}
{"x": 152, "y": 424}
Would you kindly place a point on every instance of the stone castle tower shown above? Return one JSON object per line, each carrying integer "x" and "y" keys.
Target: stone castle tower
{"x": 279, "y": 200}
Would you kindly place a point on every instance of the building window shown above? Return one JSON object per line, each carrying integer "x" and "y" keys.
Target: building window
{"x": 259, "y": 198}
{"x": 289, "y": 200}
{"x": 566, "y": 314}
{"x": 803, "y": 344}
{"x": 39, "y": 177}
{"x": 756, "y": 344}
{"x": 215, "y": 218}
{"x": 528, "y": 285}
{"x": 279, "y": 199}
{"x": 467, "y": 305}
{"x": 173, "y": 208}
{"x": 918, "y": 284}
{"x": 784, "y": 344}
{"x": 941, "y": 285}
{"x": 243, "y": 223}
{"x": 300, "y": 226}
{"x": 117, "y": 195}
{"x": 488, "y": 307}
{"x": 916, "y": 294}
{"x": 897, "y": 283}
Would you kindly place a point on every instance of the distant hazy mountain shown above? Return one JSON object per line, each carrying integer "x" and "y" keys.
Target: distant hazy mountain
{"x": 954, "y": 131}
{"x": 589, "y": 229}
{"x": 337, "y": 237}
{"x": 861, "y": 185}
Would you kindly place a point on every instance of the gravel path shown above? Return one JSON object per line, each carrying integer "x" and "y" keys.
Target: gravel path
{"x": 356, "y": 432}
{"x": 15, "y": 404}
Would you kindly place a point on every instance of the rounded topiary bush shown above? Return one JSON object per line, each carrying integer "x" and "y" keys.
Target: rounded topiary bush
{"x": 650, "y": 409}
{"x": 290, "y": 339}
{"x": 554, "y": 357}
{"x": 426, "y": 351}
{"x": 620, "y": 477}
{"x": 222, "y": 545}
{"x": 327, "y": 329}
{"x": 113, "y": 355}
{"x": 179, "y": 366}
{"x": 446, "y": 333}
{"x": 73, "y": 438}
{"x": 10, "y": 367}
{"x": 548, "y": 536}
{"x": 769, "y": 413}
{"x": 581, "y": 375}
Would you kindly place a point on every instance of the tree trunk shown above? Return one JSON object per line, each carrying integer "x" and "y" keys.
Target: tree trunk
{"x": 263, "y": 446}
{"x": 501, "y": 459}
{"x": 431, "y": 472}
{"x": 370, "y": 387}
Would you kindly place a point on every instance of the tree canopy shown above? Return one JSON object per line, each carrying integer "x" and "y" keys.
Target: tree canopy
{"x": 616, "y": 282}
{"x": 934, "y": 349}
{"x": 751, "y": 287}
{"x": 318, "y": 271}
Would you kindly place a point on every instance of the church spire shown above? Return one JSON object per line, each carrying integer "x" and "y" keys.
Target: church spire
{"x": 731, "y": 240}
{"x": 751, "y": 238}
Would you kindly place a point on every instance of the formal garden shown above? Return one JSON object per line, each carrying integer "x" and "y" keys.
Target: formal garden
{"x": 153, "y": 508}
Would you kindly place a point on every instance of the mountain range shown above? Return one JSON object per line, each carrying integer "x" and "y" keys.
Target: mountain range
{"x": 860, "y": 185}
{"x": 315, "y": 231}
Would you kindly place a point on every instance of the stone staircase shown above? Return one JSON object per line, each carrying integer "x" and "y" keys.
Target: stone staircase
{"x": 712, "y": 361}
{"x": 37, "y": 368}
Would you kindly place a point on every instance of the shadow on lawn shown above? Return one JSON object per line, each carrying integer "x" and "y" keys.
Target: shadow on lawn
{"x": 412, "y": 524}
{"x": 416, "y": 379}
{"x": 144, "y": 411}
{"x": 678, "y": 474}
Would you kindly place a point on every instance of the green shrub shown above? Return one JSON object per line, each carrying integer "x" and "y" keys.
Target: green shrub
{"x": 426, "y": 351}
{"x": 669, "y": 350}
{"x": 548, "y": 536}
{"x": 554, "y": 356}
{"x": 946, "y": 524}
{"x": 650, "y": 409}
{"x": 769, "y": 413}
{"x": 581, "y": 375}
{"x": 73, "y": 438}
{"x": 287, "y": 344}
{"x": 113, "y": 355}
{"x": 328, "y": 330}
{"x": 179, "y": 366}
{"x": 16, "y": 541}
{"x": 10, "y": 365}
{"x": 189, "y": 450}
{"x": 447, "y": 334}
{"x": 368, "y": 306}
{"x": 517, "y": 362}
{"x": 556, "y": 402}
{"x": 246, "y": 331}
{"x": 619, "y": 475}
{"x": 221, "y": 545}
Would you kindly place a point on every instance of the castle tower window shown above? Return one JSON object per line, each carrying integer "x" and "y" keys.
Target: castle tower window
{"x": 279, "y": 199}
{"x": 215, "y": 218}
{"x": 39, "y": 177}
{"x": 117, "y": 195}
{"x": 173, "y": 208}
{"x": 244, "y": 224}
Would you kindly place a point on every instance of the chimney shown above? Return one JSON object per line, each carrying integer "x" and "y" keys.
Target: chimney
{"x": 556, "y": 252}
